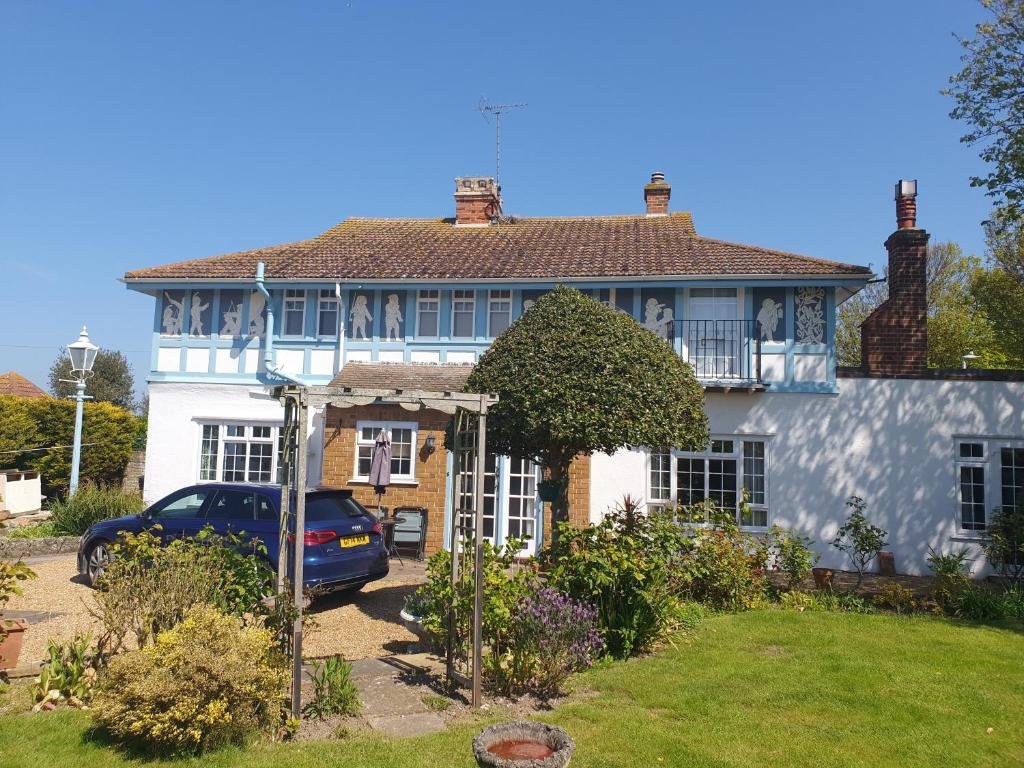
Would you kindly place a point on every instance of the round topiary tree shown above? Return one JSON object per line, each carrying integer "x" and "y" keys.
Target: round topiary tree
{"x": 574, "y": 377}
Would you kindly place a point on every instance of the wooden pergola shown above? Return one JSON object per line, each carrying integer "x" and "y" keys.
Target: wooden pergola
{"x": 469, "y": 410}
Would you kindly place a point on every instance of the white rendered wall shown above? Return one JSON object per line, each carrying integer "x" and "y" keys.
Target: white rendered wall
{"x": 176, "y": 411}
{"x": 889, "y": 441}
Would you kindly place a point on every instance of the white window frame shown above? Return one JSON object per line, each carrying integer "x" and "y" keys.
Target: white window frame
{"x": 248, "y": 439}
{"x": 467, "y": 296}
{"x": 656, "y": 501}
{"x": 991, "y": 464}
{"x": 428, "y": 296}
{"x": 504, "y": 296}
{"x": 326, "y": 297}
{"x": 391, "y": 426}
{"x": 293, "y": 296}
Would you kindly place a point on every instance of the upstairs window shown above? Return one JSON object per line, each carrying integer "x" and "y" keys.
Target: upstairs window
{"x": 499, "y": 312}
{"x": 428, "y": 314}
{"x": 294, "y": 313}
{"x": 463, "y": 314}
{"x": 327, "y": 315}
{"x": 729, "y": 466}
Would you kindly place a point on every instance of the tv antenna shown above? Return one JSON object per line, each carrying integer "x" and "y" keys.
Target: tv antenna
{"x": 485, "y": 108}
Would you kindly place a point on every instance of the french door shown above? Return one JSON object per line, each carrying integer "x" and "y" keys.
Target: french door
{"x": 714, "y": 333}
{"x": 511, "y": 505}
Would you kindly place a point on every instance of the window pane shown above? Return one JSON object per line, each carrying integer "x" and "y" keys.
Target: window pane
{"x": 261, "y": 432}
{"x": 661, "y": 477}
{"x": 260, "y": 458}
{"x": 364, "y": 460}
{"x": 753, "y": 471}
{"x": 294, "y": 313}
{"x": 499, "y": 311}
{"x": 972, "y": 450}
{"x": 234, "y": 462}
{"x": 722, "y": 482}
{"x": 208, "y": 453}
{"x": 231, "y": 505}
{"x": 972, "y": 498}
{"x": 722, "y": 446}
{"x": 1012, "y": 461}
{"x": 689, "y": 481}
{"x": 183, "y": 507}
{"x": 463, "y": 309}
{"x": 235, "y": 430}
{"x": 428, "y": 307}
{"x": 327, "y": 322}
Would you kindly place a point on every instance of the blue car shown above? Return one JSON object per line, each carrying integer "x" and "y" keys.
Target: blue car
{"x": 344, "y": 546}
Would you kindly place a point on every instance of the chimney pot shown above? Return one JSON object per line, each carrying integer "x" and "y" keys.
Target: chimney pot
{"x": 657, "y": 194}
{"x": 906, "y": 204}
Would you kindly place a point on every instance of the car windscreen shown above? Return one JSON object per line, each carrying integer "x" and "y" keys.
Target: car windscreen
{"x": 322, "y": 507}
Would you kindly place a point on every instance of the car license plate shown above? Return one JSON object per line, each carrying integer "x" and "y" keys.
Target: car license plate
{"x": 354, "y": 541}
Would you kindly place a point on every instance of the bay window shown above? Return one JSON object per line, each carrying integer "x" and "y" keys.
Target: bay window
{"x": 721, "y": 473}
{"x": 989, "y": 474}
{"x": 239, "y": 453}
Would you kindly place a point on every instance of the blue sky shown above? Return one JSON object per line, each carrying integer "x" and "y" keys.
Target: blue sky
{"x": 136, "y": 133}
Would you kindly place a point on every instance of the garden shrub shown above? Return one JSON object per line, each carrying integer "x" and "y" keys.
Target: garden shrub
{"x": 334, "y": 693}
{"x": 626, "y": 568}
{"x": 39, "y": 530}
{"x": 842, "y": 602}
{"x": 950, "y": 576}
{"x": 505, "y": 585}
{"x": 1013, "y": 602}
{"x": 795, "y": 600}
{"x": 896, "y": 597}
{"x": 979, "y": 603}
{"x": 67, "y": 675}
{"x": 720, "y": 565}
{"x": 149, "y": 587}
{"x": 793, "y": 555}
{"x": 552, "y": 636}
{"x": 1004, "y": 542}
{"x": 72, "y": 515}
{"x": 208, "y": 682}
{"x": 107, "y": 436}
{"x": 859, "y": 538}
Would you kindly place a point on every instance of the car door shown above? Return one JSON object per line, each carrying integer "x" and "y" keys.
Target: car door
{"x": 231, "y": 511}
{"x": 181, "y": 514}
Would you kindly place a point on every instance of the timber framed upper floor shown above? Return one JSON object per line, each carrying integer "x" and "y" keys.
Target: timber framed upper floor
{"x": 440, "y": 290}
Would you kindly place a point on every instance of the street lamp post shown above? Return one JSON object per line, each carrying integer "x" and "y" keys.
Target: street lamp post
{"x": 83, "y": 355}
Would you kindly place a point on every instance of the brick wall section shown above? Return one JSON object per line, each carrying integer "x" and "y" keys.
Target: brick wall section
{"x": 657, "y": 195}
{"x": 431, "y": 470}
{"x": 894, "y": 338}
{"x": 475, "y": 209}
{"x": 579, "y": 496}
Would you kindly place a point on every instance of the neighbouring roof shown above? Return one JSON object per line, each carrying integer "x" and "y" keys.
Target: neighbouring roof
{"x": 518, "y": 248}
{"x": 426, "y": 377}
{"x": 13, "y": 383}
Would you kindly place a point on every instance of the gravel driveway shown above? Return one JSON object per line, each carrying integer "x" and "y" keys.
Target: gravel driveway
{"x": 358, "y": 625}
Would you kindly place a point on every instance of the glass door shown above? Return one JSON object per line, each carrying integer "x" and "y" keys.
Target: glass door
{"x": 714, "y": 338}
{"x": 522, "y": 508}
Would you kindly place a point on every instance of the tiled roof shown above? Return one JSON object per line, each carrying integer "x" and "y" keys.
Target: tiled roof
{"x": 406, "y": 376}
{"x": 13, "y": 383}
{"x": 524, "y": 248}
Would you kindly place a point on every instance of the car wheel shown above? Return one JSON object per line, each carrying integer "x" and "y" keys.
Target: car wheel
{"x": 97, "y": 560}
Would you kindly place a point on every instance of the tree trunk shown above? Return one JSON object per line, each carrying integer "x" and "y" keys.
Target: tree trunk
{"x": 558, "y": 472}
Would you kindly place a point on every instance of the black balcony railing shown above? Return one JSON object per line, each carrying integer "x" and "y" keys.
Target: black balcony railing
{"x": 721, "y": 350}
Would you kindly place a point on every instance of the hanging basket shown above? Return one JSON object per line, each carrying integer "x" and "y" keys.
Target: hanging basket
{"x": 548, "y": 490}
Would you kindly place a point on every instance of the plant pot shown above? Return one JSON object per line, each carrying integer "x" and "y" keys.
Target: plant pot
{"x": 11, "y": 636}
{"x": 413, "y": 623}
{"x": 823, "y": 577}
{"x": 887, "y": 563}
{"x": 523, "y": 744}
{"x": 548, "y": 490}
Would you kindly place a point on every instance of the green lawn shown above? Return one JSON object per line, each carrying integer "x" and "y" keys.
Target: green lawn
{"x": 766, "y": 688}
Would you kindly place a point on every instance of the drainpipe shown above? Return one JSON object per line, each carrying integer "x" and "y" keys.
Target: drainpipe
{"x": 341, "y": 327}
{"x": 268, "y": 345}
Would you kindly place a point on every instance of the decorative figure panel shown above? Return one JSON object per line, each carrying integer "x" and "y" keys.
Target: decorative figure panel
{"x": 658, "y": 311}
{"x": 231, "y": 314}
{"x": 359, "y": 315}
{"x": 200, "y": 313}
{"x": 394, "y": 320}
{"x": 810, "y": 315}
{"x": 257, "y": 314}
{"x": 530, "y": 298}
{"x": 769, "y": 304}
{"x": 172, "y": 318}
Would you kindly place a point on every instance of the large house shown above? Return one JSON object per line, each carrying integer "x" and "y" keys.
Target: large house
{"x": 413, "y": 303}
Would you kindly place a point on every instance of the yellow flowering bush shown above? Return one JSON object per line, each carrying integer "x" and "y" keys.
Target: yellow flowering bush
{"x": 207, "y": 682}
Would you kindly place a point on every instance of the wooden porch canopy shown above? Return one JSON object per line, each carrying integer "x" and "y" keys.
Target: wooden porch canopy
{"x": 297, "y": 400}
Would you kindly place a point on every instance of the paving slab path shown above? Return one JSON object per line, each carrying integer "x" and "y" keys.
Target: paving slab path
{"x": 390, "y": 706}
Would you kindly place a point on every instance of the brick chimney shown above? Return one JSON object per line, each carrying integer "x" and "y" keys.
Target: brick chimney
{"x": 656, "y": 195}
{"x": 894, "y": 338}
{"x": 477, "y": 200}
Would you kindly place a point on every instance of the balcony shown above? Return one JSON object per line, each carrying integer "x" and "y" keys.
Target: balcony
{"x": 725, "y": 354}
